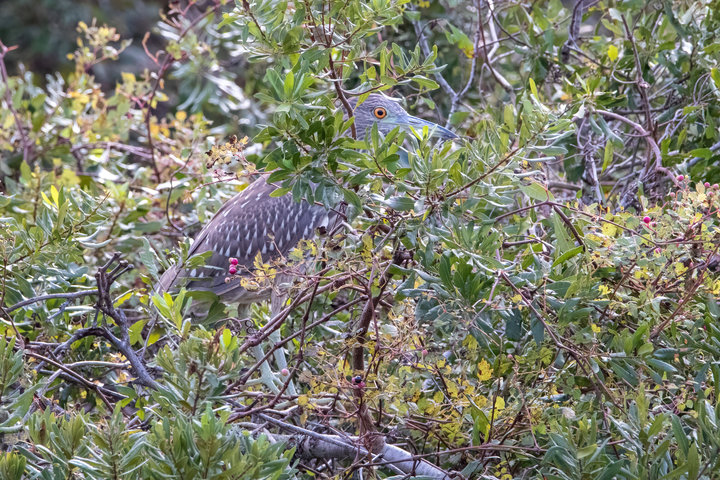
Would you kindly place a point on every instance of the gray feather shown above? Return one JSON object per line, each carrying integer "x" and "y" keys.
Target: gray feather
{"x": 251, "y": 222}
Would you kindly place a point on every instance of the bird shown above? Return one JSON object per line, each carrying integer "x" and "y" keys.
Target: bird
{"x": 255, "y": 222}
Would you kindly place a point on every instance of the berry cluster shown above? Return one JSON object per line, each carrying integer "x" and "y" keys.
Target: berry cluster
{"x": 233, "y": 266}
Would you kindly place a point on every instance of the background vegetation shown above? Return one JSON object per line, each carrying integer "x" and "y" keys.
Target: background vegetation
{"x": 535, "y": 300}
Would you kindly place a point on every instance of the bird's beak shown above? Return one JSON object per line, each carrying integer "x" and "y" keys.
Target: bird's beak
{"x": 435, "y": 129}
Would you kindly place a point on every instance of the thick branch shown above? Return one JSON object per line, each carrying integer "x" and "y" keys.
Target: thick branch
{"x": 316, "y": 445}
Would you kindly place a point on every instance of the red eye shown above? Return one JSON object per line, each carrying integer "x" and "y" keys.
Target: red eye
{"x": 380, "y": 112}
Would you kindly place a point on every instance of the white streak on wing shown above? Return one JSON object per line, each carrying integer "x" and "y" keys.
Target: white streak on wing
{"x": 264, "y": 249}
{"x": 249, "y": 251}
{"x": 193, "y": 272}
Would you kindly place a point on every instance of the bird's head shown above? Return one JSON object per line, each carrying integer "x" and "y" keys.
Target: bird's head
{"x": 387, "y": 114}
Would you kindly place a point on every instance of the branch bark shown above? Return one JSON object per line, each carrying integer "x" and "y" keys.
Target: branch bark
{"x": 317, "y": 445}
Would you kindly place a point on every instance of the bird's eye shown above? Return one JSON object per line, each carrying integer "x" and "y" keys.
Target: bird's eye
{"x": 380, "y": 112}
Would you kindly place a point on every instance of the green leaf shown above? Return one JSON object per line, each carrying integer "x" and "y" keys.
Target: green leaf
{"x": 586, "y": 451}
{"x": 537, "y": 192}
{"x": 401, "y": 204}
{"x": 693, "y": 461}
{"x": 289, "y": 84}
{"x": 568, "y": 255}
{"x": 715, "y": 74}
{"x": 533, "y": 88}
{"x": 660, "y": 365}
{"x": 608, "y": 155}
{"x": 701, "y": 152}
{"x": 135, "y": 331}
{"x": 509, "y": 117}
{"x": 279, "y": 192}
{"x": 226, "y": 338}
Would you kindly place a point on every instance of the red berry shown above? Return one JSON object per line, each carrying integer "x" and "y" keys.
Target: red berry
{"x": 233, "y": 261}
{"x": 646, "y": 219}
{"x": 653, "y": 224}
{"x": 232, "y": 270}
{"x": 681, "y": 178}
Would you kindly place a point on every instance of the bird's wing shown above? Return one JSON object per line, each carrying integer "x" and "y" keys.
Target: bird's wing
{"x": 251, "y": 222}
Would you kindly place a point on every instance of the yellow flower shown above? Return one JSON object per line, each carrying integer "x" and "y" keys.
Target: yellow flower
{"x": 609, "y": 230}
{"x": 484, "y": 370}
{"x": 604, "y": 290}
{"x": 640, "y": 274}
{"x": 595, "y": 328}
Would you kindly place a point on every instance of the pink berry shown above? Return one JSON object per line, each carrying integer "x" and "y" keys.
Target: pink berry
{"x": 707, "y": 184}
{"x": 285, "y": 372}
{"x": 653, "y": 224}
{"x": 711, "y": 193}
{"x": 424, "y": 352}
{"x": 716, "y": 186}
{"x": 658, "y": 251}
{"x": 646, "y": 219}
{"x": 681, "y": 178}
{"x": 232, "y": 270}
{"x": 672, "y": 194}
{"x": 233, "y": 261}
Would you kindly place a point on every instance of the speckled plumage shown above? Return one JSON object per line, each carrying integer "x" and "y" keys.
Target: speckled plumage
{"x": 250, "y": 222}
{"x": 253, "y": 221}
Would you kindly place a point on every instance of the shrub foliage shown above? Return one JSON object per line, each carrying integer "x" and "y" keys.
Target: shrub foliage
{"x": 537, "y": 299}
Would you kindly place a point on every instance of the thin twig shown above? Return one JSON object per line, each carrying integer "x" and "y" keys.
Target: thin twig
{"x": 27, "y": 146}
{"x": 51, "y": 296}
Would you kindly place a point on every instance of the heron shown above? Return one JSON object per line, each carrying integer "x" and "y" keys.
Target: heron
{"x": 255, "y": 222}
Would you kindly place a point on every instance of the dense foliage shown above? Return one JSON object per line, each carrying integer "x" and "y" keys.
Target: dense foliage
{"x": 537, "y": 299}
